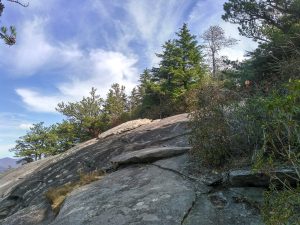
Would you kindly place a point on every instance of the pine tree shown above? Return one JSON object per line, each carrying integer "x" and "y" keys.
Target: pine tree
{"x": 116, "y": 104}
{"x": 135, "y": 102}
{"x": 37, "y": 142}
{"x": 190, "y": 59}
{"x": 151, "y": 91}
{"x": 9, "y": 35}
{"x": 87, "y": 114}
{"x": 167, "y": 66}
{"x": 68, "y": 135}
{"x": 180, "y": 67}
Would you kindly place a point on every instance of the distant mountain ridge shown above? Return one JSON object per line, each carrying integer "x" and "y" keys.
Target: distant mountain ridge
{"x": 6, "y": 163}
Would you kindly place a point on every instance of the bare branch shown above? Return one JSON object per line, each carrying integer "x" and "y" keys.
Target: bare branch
{"x": 20, "y": 3}
{"x": 214, "y": 41}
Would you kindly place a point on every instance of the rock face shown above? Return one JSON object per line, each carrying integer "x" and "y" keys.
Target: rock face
{"x": 133, "y": 195}
{"x": 148, "y": 155}
{"x": 130, "y": 125}
{"x": 150, "y": 180}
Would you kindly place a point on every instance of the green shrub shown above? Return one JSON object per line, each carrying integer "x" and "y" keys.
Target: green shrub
{"x": 281, "y": 148}
{"x": 227, "y": 128}
{"x": 211, "y": 131}
{"x": 281, "y": 132}
{"x": 281, "y": 207}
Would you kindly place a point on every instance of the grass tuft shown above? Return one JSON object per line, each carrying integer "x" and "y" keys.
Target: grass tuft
{"x": 56, "y": 196}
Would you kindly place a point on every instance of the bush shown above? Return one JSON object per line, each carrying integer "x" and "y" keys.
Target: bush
{"x": 281, "y": 207}
{"x": 281, "y": 132}
{"x": 211, "y": 131}
{"x": 226, "y": 128}
{"x": 281, "y": 148}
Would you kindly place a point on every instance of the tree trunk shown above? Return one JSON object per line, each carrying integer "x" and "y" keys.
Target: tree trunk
{"x": 214, "y": 64}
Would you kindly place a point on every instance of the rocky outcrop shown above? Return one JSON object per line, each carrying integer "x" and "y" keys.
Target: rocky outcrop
{"x": 150, "y": 180}
{"x": 133, "y": 195}
{"x": 246, "y": 178}
{"x": 130, "y": 125}
{"x": 148, "y": 155}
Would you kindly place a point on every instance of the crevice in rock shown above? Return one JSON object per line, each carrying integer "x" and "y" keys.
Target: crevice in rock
{"x": 177, "y": 172}
{"x": 187, "y": 213}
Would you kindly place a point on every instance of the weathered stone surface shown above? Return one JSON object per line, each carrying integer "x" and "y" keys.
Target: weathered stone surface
{"x": 134, "y": 195}
{"x": 130, "y": 125}
{"x": 180, "y": 164}
{"x": 148, "y": 155}
{"x": 161, "y": 189}
{"x": 248, "y": 178}
{"x": 34, "y": 214}
{"x": 225, "y": 207}
{"x": 19, "y": 175}
{"x": 29, "y": 182}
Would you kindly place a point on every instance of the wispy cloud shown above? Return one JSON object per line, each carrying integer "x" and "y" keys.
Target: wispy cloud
{"x": 66, "y": 47}
{"x": 156, "y": 23}
{"x": 133, "y": 31}
{"x": 33, "y": 52}
{"x": 79, "y": 68}
{"x": 11, "y": 120}
{"x": 25, "y": 126}
{"x": 97, "y": 68}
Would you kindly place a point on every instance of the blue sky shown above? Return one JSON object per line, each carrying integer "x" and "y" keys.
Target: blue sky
{"x": 66, "y": 47}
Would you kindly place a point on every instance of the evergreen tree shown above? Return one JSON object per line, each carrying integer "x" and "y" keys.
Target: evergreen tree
{"x": 167, "y": 66}
{"x": 9, "y": 35}
{"x": 190, "y": 59}
{"x": 116, "y": 104}
{"x": 181, "y": 66}
{"x": 37, "y": 142}
{"x": 68, "y": 135}
{"x": 257, "y": 19}
{"x": 275, "y": 24}
{"x": 135, "y": 102}
{"x": 86, "y": 114}
{"x": 135, "y": 98}
{"x": 151, "y": 91}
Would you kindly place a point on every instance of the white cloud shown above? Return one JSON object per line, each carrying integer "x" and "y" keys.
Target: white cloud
{"x": 31, "y": 51}
{"x": 97, "y": 68}
{"x": 34, "y": 53}
{"x": 25, "y": 126}
{"x": 156, "y": 23}
{"x": 82, "y": 68}
{"x": 35, "y": 102}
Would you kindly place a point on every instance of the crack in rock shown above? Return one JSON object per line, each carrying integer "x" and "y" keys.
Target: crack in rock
{"x": 187, "y": 213}
{"x": 178, "y": 173}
